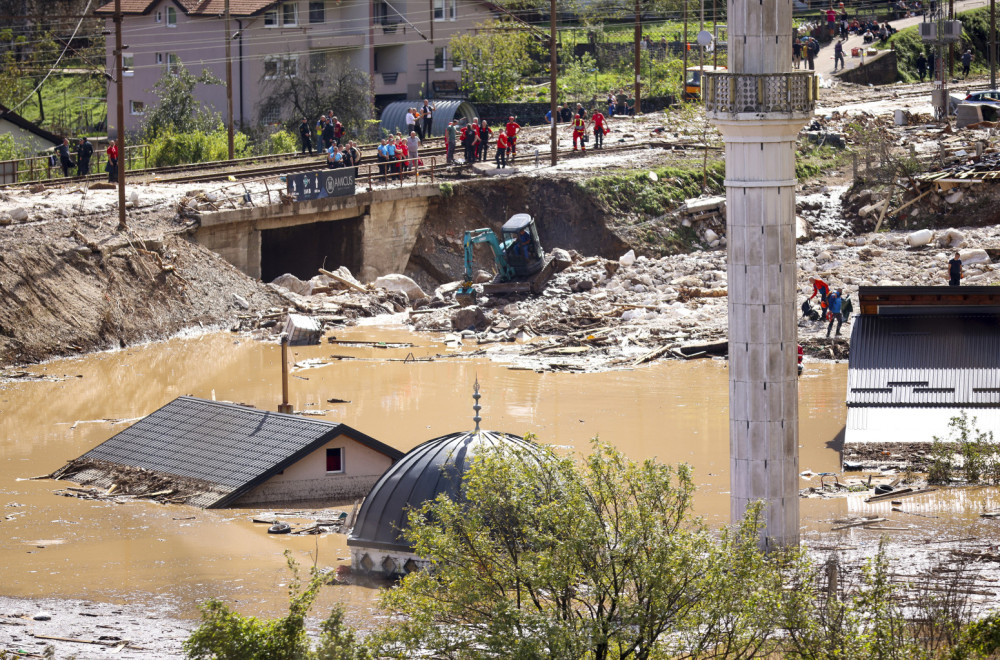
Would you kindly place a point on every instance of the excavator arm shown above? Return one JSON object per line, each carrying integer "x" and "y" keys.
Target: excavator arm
{"x": 504, "y": 269}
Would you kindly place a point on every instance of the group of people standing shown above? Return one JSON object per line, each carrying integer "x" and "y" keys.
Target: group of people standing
{"x": 84, "y": 152}
{"x": 329, "y": 130}
{"x": 831, "y": 302}
{"x": 398, "y": 154}
{"x": 475, "y": 137}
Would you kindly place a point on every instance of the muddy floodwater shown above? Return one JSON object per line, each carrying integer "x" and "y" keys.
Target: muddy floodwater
{"x": 175, "y": 556}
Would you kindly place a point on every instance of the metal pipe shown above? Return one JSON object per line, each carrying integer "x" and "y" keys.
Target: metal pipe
{"x": 284, "y": 407}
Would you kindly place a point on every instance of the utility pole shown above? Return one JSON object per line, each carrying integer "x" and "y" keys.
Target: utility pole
{"x": 120, "y": 116}
{"x": 638, "y": 39}
{"x": 715, "y": 32}
{"x": 993, "y": 44}
{"x": 553, "y": 92}
{"x": 684, "y": 73}
{"x": 229, "y": 84}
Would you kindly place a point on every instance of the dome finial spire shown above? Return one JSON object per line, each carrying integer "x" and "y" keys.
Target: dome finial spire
{"x": 476, "y": 396}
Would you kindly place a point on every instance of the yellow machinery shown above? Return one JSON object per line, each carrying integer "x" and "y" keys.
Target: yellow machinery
{"x": 692, "y": 80}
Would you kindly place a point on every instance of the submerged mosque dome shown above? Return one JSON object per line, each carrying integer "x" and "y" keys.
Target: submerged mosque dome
{"x": 434, "y": 467}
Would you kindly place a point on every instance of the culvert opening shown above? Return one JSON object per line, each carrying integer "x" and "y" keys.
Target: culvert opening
{"x": 303, "y": 249}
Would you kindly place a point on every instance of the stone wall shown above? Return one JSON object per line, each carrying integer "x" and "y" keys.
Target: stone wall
{"x": 877, "y": 70}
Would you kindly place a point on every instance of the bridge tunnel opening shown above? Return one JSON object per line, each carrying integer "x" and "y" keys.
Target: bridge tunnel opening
{"x": 303, "y": 249}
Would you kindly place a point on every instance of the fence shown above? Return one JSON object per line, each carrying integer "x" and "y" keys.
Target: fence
{"x": 40, "y": 168}
{"x": 733, "y": 93}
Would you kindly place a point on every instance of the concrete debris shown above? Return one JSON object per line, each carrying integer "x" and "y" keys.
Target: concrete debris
{"x": 703, "y": 205}
{"x": 919, "y": 238}
{"x": 627, "y": 259}
{"x": 471, "y": 317}
{"x": 974, "y": 256}
{"x": 402, "y": 283}
{"x": 302, "y": 330}
{"x": 293, "y": 284}
{"x": 240, "y": 301}
{"x": 951, "y": 238}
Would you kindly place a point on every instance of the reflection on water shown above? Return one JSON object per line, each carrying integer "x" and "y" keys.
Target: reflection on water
{"x": 55, "y": 546}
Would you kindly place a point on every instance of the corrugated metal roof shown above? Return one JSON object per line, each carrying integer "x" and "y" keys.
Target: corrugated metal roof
{"x": 393, "y": 117}
{"x": 437, "y": 466}
{"x": 231, "y": 446}
{"x": 925, "y": 361}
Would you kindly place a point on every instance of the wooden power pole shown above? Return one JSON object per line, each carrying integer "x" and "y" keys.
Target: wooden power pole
{"x": 553, "y": 91}
{"x": 992, "y": 44}
{"x": 120, "y": 115}
{"x": 229, "y": 84}
{"x": 638, "y": 39}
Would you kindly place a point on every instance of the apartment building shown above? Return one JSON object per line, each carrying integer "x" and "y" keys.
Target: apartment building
{"x": 402, "y": 44}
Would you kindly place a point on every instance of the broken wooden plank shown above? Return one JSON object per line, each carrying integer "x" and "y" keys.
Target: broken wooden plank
{"x": 860, "y": 523}
{"x": 346, "y": 282}
{"x": 76, "y": 640}
{"x": 905, "y": 492}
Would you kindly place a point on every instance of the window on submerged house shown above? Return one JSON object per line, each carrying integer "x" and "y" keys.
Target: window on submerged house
{"x": 335, "y": 460}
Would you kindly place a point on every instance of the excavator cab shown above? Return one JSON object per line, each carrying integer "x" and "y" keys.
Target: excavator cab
{"x": 521, "y": 246}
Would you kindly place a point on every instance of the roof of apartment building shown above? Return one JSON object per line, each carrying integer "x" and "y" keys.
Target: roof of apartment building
{"x": 221, "y": 450}
{"x": 192, "y": 7}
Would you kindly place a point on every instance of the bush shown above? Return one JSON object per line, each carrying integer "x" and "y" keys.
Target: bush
{"x": 281, "y": 142}
{"x": 227, "y": 635}
{"x": 11, "y": 149}
{"x": 195, "y": 147}
{"x": 975, "y": 447}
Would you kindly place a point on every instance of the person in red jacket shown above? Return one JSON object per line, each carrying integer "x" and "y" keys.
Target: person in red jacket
{"x": 512, "y": 129}
{"x": 598, "y": 120}
{"x": 820, "y": 287}
{"x": 501, "y": 150}
{"x": 579, "y": 130}
{"x": 113, "y": 162}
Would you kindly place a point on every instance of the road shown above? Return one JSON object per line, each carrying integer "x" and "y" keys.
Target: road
{"x": 824, "y": 62}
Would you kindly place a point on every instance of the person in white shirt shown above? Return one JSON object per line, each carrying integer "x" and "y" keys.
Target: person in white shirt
{"x": 411, "y": 120}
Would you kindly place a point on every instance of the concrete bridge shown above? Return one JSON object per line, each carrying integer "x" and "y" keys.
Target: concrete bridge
{"x": 372, "y": 233}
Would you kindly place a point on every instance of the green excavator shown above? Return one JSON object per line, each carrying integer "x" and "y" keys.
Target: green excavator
{"x": 520, "y": 262}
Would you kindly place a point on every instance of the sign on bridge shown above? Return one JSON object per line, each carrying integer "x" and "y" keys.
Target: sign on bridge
{"x": 322, "y": 183}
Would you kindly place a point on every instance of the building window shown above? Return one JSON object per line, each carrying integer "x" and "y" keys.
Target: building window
{"x": 317, "y": 61}
{"x": 456, "y": 63}
{"x": 271, "y": 18}
{"x": 159, "y": 17}
{"x": 136, "y": 107}
{"x": 317, "y": 12}
{"x": 440, "y": 57}
{"x": 290, "y": 14}
{"x": 128, "y": 64}
{"x": 171, "y": 17}
{"x": 452, "y": 10}
{"x": 290, "y": 66}
{"x": 439, "y": 10}
{"x": 271, "y": 68}
{"x": 173, "y": 63}
{"x": 334, "y": 460}
{"x": 159, "y": 58}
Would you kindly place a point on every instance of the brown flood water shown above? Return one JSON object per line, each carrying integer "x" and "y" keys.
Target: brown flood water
{"x": 145, "y": 552}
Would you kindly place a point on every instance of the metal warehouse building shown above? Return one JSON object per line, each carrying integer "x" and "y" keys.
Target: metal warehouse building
{"x": 919, "y": 356}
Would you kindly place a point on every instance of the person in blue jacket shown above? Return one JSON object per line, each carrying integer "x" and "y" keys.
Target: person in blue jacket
{"x": 833, "y": 305}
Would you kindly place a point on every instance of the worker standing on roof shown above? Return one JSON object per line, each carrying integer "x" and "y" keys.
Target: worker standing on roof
{"x": 955, "y": 271}
{"x": 820, "y": 287}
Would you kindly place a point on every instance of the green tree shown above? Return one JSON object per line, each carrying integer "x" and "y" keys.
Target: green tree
{"x": 494, "y": 59}
{"x": 227, "y": 635}
{"x": 546, "y": 558}
{"x": 311, "y": 89}
{"x": 177, "y": 110}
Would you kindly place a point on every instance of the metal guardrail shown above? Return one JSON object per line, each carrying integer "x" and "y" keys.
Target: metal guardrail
{"x": 40, "y": 168}
{"x": 760, "y": 93}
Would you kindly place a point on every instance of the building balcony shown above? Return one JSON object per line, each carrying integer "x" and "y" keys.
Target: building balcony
{"x": 792, "y": 93}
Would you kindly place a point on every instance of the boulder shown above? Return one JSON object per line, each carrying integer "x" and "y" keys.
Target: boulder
{"x": 18, "y": 214}
{"x": 627, "y": 259}
{"x": 562, "y": 259}
{"x": 397, "y": 282}
{"x": 293, "y": 284}
{"x": 951, "y": 238}
{"x": 710, "y": 236}
{"x": 482, "y": 277}
{"x": 920, "y": 237}
{"x": 469, "y": 317}
{"x": 687, "y": 281}
{"x": 955, "y": 197}
{"x": 447, "y": 291}
{"x": 974, "y": 256}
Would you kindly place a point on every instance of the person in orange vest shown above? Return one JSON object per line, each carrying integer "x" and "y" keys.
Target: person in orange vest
{"x": 512, "y": 129}
{"x": 579, "y": 130}
{"x": 501, "y": 150}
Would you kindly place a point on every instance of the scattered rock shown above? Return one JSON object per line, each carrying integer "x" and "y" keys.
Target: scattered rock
{"x": 951, "y": 238}
{"x": 42, "y": 616}
{"x": 974, "y": 256}
{"x": 240, "y": 301}
{"x": 18, "y": 214}
{"x": 562, "y": 259}
{"x": 293, "y": 284}
{"x": 469, "y": 317}
{"x": 397, "y": 282}
{"x": 627, "y": 259}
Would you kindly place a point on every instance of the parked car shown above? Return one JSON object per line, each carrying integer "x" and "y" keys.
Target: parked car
{"x": 990, "y": 96}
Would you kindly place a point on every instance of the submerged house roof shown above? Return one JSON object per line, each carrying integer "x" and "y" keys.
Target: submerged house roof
{"x": 919, "y": 356}
{"x": 227, "y": 448}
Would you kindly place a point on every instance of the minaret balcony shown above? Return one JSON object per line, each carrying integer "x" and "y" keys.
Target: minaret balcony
{"x": 789, "y": 95}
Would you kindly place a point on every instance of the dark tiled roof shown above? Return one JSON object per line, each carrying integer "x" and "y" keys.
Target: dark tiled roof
{"x": 925, "y": 361}
{"x": 16, "y": 119}
{"x": 229, "y": 446}
{"x": 194, "y": 7}
{"x": 437, "y": 466}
